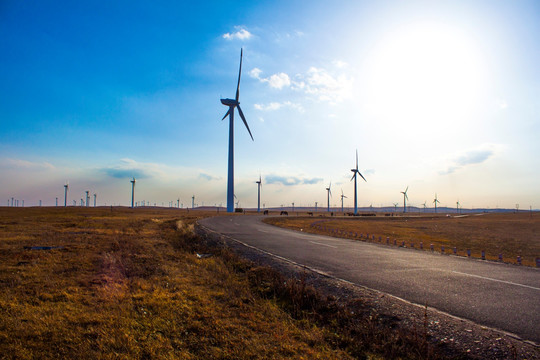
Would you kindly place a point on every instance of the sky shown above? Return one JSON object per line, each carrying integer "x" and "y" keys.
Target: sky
{"x": 442, "y": 97}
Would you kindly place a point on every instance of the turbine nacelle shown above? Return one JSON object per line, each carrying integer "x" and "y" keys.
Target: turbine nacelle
{"x": 230, "y": 102}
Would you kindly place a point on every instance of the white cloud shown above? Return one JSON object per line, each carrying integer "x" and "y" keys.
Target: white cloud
{"x": 316, "y": 81}
{"x": 470, "y": 157}
{"x": 240, "y": 34}
{"x": 276, "y": 106}
{"x": 503, "y": 104}
{"x": 20, "y": 164}
{"x": 276, "y": 81}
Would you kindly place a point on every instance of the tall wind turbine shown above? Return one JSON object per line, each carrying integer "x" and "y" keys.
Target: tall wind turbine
{"x": 95, "y": 197}
{"x": 87, "y": 198}
{"x": 132, "y": 191}
{"x": 233, "y": 103}
{"x": 66, "y": 186}
{"x": 435, "y": 201}
{"x": 259, "y": 185}
{"x": 405, "y": 198}
{"x": 457, "y": 206}
{"x": 193, "y": 202}
{"x": 342, "y": 196}
{"x": 329, "y": 193}
{"x": 395, "y": 206}
{"x": 356, "y": 172}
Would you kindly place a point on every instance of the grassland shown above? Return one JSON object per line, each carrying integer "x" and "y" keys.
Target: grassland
{"x": 509, "y": 234}
{"x": 127, "y": 284}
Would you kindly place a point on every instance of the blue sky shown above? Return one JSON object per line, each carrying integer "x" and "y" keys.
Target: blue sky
{"x": 443, "y": 97}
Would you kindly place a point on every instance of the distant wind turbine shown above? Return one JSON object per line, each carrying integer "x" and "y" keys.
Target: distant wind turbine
{"x": 66, "y": 186}
{"x": 355, "y": 172}
{"x": 405, "y": 198}
{"x": 342, "y": 196}
{"x": 259, "y": 185}
{"x": 435, "y": 201}
{"x": 132, "y": 191}
{"x": 329, "y": 193}
{"x": 425, "y": 206}
{"x": 193, "y": 202}
{"x": 457, "y": 206}
{"x": 395, "y": 206}
{"x": 232, "y": 103}
{"x": 87, "y": 198}
{"x": 95, "y": 197}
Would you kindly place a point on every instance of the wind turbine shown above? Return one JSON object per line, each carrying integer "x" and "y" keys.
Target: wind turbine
{"x": 66, "y": 186}
{"x": 329, "y": 193}
{"x": 435, "y": 201}
{"x": 355, "y": 172}
{"x": 395, "y": 206}
{"x": 457, "y": 206}
{"x": 232, "y": 103}
{"x": 132, "y": 191}
{"x": 259, "y": 185}
{"x": 87, "y": 197}
{"x": 405, "y": 198}
{"x": 342, "y": 196}
{"x": 425, "y": 206}
{"x": 193, "y": 202}
{"x": 95, "y": 196}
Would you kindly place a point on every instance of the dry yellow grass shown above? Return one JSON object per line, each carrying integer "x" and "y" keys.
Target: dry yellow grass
{"x": 507, "y": 234}
{"x": 126, "y": 284}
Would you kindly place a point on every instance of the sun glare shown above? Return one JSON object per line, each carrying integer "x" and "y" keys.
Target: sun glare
{"x": 424, "y": 74}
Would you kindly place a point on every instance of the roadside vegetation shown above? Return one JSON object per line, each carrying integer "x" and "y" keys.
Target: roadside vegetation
{"x": 128, "y": 284}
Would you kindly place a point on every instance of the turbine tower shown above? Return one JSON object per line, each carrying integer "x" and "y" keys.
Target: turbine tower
{"x": 233, "y": 103}
{"x": 425, "y": 206}
{"x": 405, "y": 198}
{"x": 342, "y": 196}
{"x": 66, "y": 186}
{"x": 132, "y": 191}
{"x": 435, "y": 201}
{"x": 259, "y": 185}
{"x": 329, "y": 193}
{"x": 355, "y": 172}
{"x": 87, "y": 198}
{"x": 95, "y": 196}
{"x": 457, "y": 206}
{"x": 193, "y": 202}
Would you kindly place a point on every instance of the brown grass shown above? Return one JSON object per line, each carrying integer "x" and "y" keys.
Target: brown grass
{"x": 507, "y": 234}
{"x": 127, "y": 284}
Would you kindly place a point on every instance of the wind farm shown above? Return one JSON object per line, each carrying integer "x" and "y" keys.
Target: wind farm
{"x": 135, "y": 224}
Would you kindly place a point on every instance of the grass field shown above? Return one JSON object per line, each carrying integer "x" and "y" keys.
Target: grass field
{"x": 508, "y": 234}
{"x": 127, "y": 284}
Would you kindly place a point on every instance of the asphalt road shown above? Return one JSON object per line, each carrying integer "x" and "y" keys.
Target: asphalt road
{"x": 501, "y": 296}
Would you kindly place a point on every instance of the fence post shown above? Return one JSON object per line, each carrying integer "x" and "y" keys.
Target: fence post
{"x": 421, "y": 245}
{"x": 455, "y": 250}
{"x": 412, "y": 245}
{"x": 468, "y": 252}
{"x": 387, "y": 240}
{"x": 500, "y": 257}
{"x": 538, "y": 262}
{"x": 519, "y": 260}
{"x": 431, "y": 247}
{"x": 442, "y": 249}
{"x": 483, "y": 255}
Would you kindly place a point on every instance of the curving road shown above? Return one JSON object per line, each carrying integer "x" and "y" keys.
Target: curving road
{"x": 502, "y": 296}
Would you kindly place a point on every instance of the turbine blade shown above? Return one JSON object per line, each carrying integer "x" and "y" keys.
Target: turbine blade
{"x": 239, "y": 73}
{"x": 244, "y": 120}
{"x": 356, "y": 159}
{"x": 362, "y": 176}
{"x": 354, "y": 175}
{"x": 227, "y": 114}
